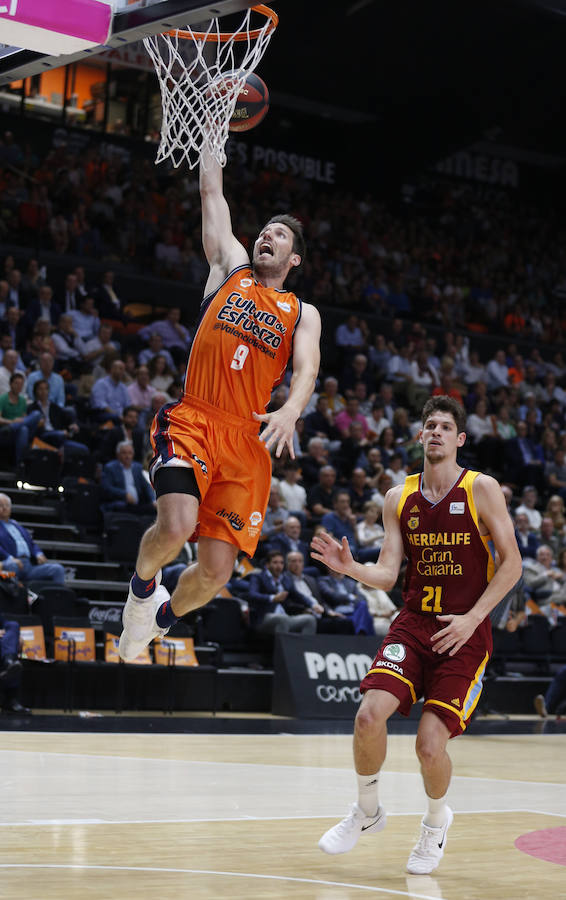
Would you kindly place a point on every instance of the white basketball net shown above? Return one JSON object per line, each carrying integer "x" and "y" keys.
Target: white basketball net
{"x": 200, "y": 77}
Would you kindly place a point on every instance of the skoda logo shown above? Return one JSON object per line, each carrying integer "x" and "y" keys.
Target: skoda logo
{"x": 395, "y": 652}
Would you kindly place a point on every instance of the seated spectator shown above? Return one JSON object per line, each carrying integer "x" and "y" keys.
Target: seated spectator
{"x": 141, "y": 392}
{"x": 555, "y": 510}
{"x": 305, "y": 595}
{"x": 497, "y": 371}
{"x": 335, "y": 400}
{"x": 374, "y": 466}
{"x": 381, "y": 608}
{"x": 384, "y": 483}
{"x": 54, "y": 381}
{"x": 313, "y": 461}
{"x": 85, "y": 319}
{"x": 128, "y": 430}
{"x": 108, "y": 303}
{"x": 352, "y": 451}
{"x": 109, "y": 396}
{"x": 342, "y": 523}
{"x": 10, "y": 667}
{"x": 155, "y": 348}
{"x": 524, "y": 460}
{"x": 550, "y": 536}
{"x": 351, "y": 414}
{"x": 289, "y": 539}
{"x": 320, "y": 423}
{"x": 359, "y": 490}
{"x": 343, "y": 595}
{"x": 357, "y": 371}
{"x": 424, "y": 378}
{"x": 555, "y": 473}
{"x": 529, "y": 506}
{"x": 369, "y": 531}
{"x": 95, "y": 349}
{"x": 320, "y": 498}
{"x": 396, "y": 469}
{"x": 70, "y": 295}
{"x": 544, "y": 581}
{"x": 486, "y": 441}
{"x": 69, "y": 347}
{"x": 20, "y": 553}
{"x": 293, "y": 494}
{"x": 56, "y": 426}
{"x": 377, "y": 422}
{"x": 174, "y": 335}
{"x": 43, "y": 307}
{"x": 275, "y": 515}
{"x": 8, "y": 368}
{"x": 17, "y": 426}
{"x": 351, "y": 335}
{"x": 527, "y": 540}
{"x": 379, "y": 355}
{"x": 269, "y": 589}
{"x": 124, "y": 487}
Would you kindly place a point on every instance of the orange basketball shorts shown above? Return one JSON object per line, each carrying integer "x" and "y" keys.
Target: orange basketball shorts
{"x": 407, "y": 667}
{"x": 232, "y": 467}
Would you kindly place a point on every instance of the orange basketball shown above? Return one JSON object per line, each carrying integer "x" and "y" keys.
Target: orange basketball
{"x": 251, "y": 106}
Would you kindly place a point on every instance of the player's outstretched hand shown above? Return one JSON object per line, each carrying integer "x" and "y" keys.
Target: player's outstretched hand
{"x": 280, "y": 428}
{"x": 334, "y": 555}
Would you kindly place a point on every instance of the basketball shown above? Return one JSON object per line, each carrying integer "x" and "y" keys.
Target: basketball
{"x": 251, "y": 106}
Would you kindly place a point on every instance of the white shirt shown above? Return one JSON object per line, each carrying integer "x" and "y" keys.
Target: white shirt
{"x": 293, "y": 496}
{"x": 532, "y": 515}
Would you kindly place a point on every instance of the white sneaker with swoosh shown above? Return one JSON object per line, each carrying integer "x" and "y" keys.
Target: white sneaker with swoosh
{"x": 345, "y": 835}
{"x": 429, "y": 849}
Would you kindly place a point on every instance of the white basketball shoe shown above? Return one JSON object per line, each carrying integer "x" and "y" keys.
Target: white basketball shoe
{"x": 429, "y": 849}
{"x": 138, "y": 619}
{"x": 345, "y": 835}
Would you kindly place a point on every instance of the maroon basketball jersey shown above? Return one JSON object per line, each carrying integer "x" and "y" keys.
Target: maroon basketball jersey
{"x": 449, "y": 562}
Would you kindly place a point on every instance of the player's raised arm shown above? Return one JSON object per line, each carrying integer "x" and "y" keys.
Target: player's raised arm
{"x": 306, "y": 362}
{"x": 221, "y": 248}
{"x": 384, "y": 574}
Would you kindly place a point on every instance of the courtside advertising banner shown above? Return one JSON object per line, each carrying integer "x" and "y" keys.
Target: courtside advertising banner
{"x": 318, "y": 676}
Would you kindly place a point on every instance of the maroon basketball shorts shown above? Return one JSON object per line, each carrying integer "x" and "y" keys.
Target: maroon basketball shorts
{"x": 407, "y": 667}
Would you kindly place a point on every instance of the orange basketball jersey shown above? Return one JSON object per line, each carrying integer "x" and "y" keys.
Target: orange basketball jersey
{"x": 242, "y": 344}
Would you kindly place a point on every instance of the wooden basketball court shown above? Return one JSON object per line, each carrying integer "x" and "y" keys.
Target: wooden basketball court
{"x": 206, "y": 815}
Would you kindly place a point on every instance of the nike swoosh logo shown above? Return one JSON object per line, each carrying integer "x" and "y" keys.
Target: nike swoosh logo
{"x": 365, "y": 827}
{"x": 441, "y": 845}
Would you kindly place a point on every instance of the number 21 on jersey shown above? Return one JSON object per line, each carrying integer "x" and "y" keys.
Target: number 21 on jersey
{"x": 239, "y": 358}
{"x": 432, "y": 594}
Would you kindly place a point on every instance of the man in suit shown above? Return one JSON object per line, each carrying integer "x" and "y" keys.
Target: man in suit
{"x": 43, "y": 307}
{"x": 305, "y": 595}
{"x": 124, "y": 487}
{"x": 269, "y": 590}
{"x": 289, "y": 539}
{"x": 128, "y": 430}
{"x": 526, "y": 538}
{"x": 20, "y": 554}
{"x": 57, "y": 426}
{"x": 343, "y": 595}
{"x": 524, "y": 459}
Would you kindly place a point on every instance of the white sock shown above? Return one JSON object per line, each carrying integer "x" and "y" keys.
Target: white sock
{"x": 435, "y": 816}
{"x": 367, "y": 793}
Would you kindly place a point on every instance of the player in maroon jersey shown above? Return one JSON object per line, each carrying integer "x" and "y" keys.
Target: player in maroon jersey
{"x": 447, "y": 522}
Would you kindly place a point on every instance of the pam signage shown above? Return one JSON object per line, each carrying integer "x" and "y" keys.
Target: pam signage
{"x": 318, "y": 676}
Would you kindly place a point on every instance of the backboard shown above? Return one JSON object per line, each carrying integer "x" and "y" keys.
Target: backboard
{"x": 131, "y": 22}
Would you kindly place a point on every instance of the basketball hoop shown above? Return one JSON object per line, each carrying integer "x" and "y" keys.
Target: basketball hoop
{"x": 200, "y": 75}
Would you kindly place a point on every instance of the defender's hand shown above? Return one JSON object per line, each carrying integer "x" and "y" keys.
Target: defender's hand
{"x": 458, "y": 630}
{"x": 327, "y": 550}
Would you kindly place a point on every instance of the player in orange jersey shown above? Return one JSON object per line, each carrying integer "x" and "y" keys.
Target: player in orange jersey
{"x": 210, "y": 466}
{"x": 447, "y": 522}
